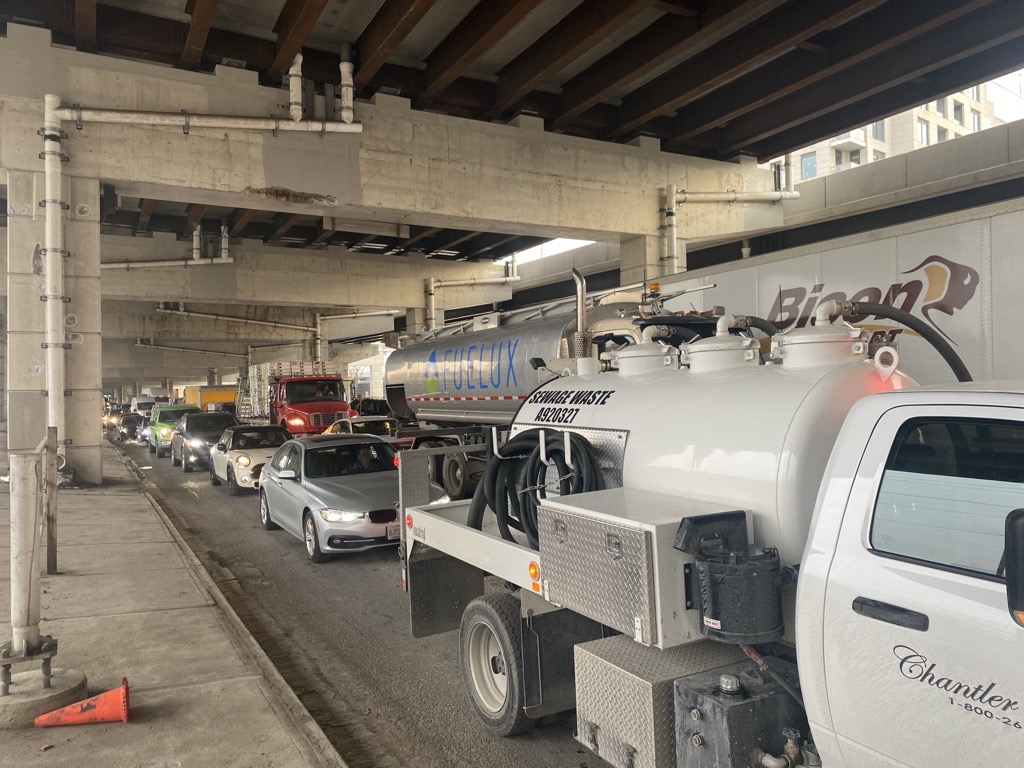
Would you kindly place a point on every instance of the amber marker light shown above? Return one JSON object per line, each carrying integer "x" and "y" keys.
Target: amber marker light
{"x": 534, "y": 571}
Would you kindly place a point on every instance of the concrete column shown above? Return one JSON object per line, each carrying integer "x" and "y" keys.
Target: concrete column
{"x": 211, "y": 377}
{"x": 640, "y": 259}
{"x": 3, "y": 365}
{"x": 84, "y": 362}
{"x": 26, "y": 359}
{"x": 415, "y": 320}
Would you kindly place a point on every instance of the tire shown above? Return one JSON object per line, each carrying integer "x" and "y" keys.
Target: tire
{"x": 152, "y": 448}
{"x": 186, "y": 466}
{"x": 175, "y": 462}
{"x": 214, "y": 480}
{"x": 311, "y": 540}
{"x": 459, "y": 478}
{"x": 436, "y": 464}
{"x": 234, "y": 489}
{"x": 268, "y": 524}
{"x": 491, "y": 659}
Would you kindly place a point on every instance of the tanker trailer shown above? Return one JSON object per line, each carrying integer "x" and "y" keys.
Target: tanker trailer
{"x": 457, "y": 381}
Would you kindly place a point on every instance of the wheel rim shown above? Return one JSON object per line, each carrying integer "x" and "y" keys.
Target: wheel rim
{"x": 310, "y": 537}
{"x": 264, "y": 511}
{"x": 487, "y": 668}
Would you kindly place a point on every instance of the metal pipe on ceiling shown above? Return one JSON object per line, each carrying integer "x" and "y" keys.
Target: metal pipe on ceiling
{"x": 188, "y": 350}
{"x": 233, "y": 319}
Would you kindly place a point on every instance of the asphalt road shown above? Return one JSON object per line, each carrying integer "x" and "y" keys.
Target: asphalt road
{"x": 339, "y": 634}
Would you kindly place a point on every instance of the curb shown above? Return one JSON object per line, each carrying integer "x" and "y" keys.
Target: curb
{"x": 291, "y": 711}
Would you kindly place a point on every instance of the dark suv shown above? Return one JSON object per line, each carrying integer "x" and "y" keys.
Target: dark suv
{"x": 195, "y": 435}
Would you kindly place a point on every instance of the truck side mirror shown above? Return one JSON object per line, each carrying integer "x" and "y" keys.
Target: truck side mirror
{"x": 1014, "y": 557}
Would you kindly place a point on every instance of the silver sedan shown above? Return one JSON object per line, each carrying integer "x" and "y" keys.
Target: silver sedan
{"x": 337, "y": 493}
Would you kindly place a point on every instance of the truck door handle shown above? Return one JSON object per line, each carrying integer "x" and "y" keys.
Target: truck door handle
{"x": 892, "y": 614}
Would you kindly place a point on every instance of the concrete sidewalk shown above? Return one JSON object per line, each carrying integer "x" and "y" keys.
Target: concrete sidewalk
{"x": 131, "y": 600}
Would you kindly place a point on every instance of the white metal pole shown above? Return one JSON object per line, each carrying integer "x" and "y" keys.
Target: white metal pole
{"x": 295, "y": 88}
{"x": 26, "y": 537}
{"x": 189, "y": 121}
{"x": 54, "y": 247}
{"x": 671, "y": 243}
{"x": 431, "y": 325}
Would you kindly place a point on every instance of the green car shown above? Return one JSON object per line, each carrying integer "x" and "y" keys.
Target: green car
{"x": 162, "y": 421}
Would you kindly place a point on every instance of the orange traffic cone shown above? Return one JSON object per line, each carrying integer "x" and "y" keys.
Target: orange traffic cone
{"x": 108, "y": 707}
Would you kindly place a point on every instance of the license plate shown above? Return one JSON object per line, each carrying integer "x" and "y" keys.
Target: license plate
{"x": 394, "y": 530}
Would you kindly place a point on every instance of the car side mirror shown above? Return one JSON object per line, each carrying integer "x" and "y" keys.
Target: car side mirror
{"x": 287, "y": 474}
{"x": 221, "y": 447}
{"x": 1014, "y": 554}
{"x": 175, "y": 431}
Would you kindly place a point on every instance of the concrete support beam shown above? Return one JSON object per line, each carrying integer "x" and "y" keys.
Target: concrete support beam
{"x": 406, "y": 166}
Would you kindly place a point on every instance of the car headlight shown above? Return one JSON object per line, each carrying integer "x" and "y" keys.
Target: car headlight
{"x": 165, "y": 433}
{"x": 242, "y": 460}
{"x": 195, "y": 442}
{"x": 295, "y": 421}
{"x": 340, "y": 516}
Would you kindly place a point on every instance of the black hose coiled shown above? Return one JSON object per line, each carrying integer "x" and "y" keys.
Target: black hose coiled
{"x": 515, "y": 479}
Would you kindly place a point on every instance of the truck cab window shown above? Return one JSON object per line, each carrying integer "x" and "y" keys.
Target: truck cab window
{"x": 947, "y": 488}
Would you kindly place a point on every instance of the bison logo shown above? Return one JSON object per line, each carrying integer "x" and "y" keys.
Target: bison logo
{"x": 949, "y": 287}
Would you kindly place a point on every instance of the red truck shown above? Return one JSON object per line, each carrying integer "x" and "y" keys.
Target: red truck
{"x": 305, "y": 398}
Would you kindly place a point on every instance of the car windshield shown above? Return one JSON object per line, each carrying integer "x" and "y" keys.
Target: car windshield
{"x": 131, "y": 420}
{"x": 349, "y": 459}
{"x": 306, "y": 391}
{"x": 213, "y": 422}
{"x": 167, "y": 415}
{"x": 251, "y": 439}
{"x": 374, "y": 408}
{"x": 371, "y": 427}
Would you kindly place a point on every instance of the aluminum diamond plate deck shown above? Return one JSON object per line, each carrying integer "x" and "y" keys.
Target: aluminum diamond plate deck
{"x": 624, "y": 699}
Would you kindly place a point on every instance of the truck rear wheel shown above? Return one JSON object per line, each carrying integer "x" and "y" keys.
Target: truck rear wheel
{"x": 491, "y": 659}
{"x": 435, "y": 467}
{"x": 460, "y": 476}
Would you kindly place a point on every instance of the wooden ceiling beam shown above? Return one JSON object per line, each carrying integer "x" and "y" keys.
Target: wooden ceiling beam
{"x": 664, "y": 40}
{"x": 239, "y": 221}
{"x": 201, "y": 12}
{"x": 146, "y": 207}
{"x": 282, "y": 223}
{"x": 479, "y": 31}
{"x": 591, "y": 22}
{"x": 997, "y": 23}
{"x": 983, "y": 66}
{"x": 753, "y": 46}
{"x": 85, "y": 25}
{"x": 392, "y": 24}
{"x": 870, "y": 35}
{"x": 193, "y": 215}
{"x": 293, "y": 27}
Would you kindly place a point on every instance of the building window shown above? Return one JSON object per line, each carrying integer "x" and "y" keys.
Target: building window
{"x": 808, "y": 165}
{"x": 941, "y": 134}
{"x": 940, "y": 106}
{"x": 922, "y": 131}
{"x": 958, "y": 112}
{"x": 878, "y": 130}
{"x": 975, "y": 92}
{"x": 839, "y": 157}
{"x": 924, "y": 106}
{"x": 975, "y": 120}
{"x": 854, "y": 157}
{"x": 876, "y": 155}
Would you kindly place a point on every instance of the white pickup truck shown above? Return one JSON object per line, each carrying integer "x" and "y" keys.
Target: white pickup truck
{"x": 721, "y": 561}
